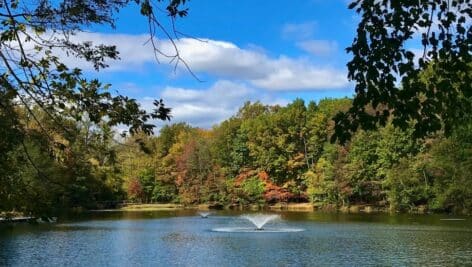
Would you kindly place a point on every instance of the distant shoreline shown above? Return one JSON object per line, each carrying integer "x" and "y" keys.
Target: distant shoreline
{"x": 280, "y": 206}
{"x": 19, "y": 219}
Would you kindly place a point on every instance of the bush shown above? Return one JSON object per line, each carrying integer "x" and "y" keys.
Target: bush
{"x": 163, "y": 192}
{"x": 253, "y": 189}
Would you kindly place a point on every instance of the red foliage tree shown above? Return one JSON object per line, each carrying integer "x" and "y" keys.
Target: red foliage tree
{"x": 272, "y": 192}
{"x": 135, "y": 190}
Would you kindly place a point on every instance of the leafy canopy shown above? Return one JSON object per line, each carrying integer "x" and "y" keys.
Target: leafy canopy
{"x": 390, "y": 74}
{"x": 34, "y": 34}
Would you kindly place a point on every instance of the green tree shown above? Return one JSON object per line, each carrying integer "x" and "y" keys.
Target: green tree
{"x": 230, "y": 147}
{"x": 38, "y": 76}
{"x": 148, "y": 182}
{"x": 55, "y": 98}
{"x": 389, "y": 77}
{"x": 450, "y": 167}
{"x": 372, "y": 154}
{"x": 277, "y": 141}
{"x": 438, "y": 176}
{"x": 408, "y": 184}
{"x": 253, "y": 189}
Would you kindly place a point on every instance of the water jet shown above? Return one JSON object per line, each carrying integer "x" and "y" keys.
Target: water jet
{"x": 259, "y": 221}
{"x": 204, "y": 214}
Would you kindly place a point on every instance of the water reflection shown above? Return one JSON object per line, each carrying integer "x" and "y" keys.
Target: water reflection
{"x": 184, "y": 238}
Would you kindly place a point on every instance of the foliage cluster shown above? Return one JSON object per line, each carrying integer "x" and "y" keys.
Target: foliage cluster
{"x": 267, "y": 154}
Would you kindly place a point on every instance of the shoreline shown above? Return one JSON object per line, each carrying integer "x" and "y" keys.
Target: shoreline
{"x": 18, "y": 219}
{"x": 276, "y": 207}
{"x": 281, "y": 206}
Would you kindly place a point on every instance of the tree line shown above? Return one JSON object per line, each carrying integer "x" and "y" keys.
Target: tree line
{"x": 404, "y": 136}
{"x": 268, "y": 154}
{"x": 261, "y": 155}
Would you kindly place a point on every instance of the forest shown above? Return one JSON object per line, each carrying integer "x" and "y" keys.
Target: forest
{"x": 268, "y": 154}
{"x": 402, "y": 142}
{"x": 261, "y": 155}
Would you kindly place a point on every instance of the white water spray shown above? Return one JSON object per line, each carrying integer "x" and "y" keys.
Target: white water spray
{"x": 259, "y": 220}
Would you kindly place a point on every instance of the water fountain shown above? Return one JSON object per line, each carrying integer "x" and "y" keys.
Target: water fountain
{"x": 204, "y": 214}
{"x": 259, "y": 221}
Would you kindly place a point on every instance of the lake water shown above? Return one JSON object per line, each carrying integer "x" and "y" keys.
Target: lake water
{"x": 183, "y": 238}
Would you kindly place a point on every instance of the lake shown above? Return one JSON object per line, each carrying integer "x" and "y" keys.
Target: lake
{"x": 183, "y": 238}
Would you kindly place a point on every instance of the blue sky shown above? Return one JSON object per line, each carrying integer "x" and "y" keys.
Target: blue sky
{"x": 272, "y": 51}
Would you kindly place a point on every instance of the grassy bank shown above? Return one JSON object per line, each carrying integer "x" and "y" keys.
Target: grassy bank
{"x": 283, "y": 206}
{"x": 151, "y": 207}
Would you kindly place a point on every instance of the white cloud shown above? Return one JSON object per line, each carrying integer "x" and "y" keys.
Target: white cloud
{"x": 319, "y": 47}
{"x": 223, "y": 59}
{"x": 301, "y": 76}
{"x": 207, "y": 107}
{"x": 134, "y": 50}
{"x": 129, "y": 87}
{"x": 298, "y": 31}
{"x": 227, "y": 60}
{"x": 219, "y": 59}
